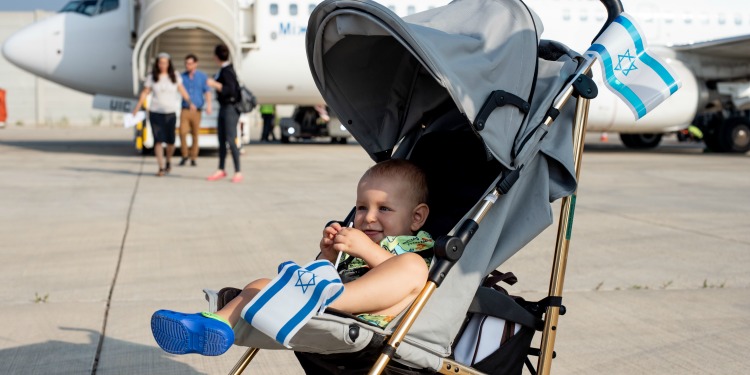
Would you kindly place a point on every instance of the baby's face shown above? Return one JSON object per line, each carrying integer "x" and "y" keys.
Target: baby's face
{"x": 384, "y": 208}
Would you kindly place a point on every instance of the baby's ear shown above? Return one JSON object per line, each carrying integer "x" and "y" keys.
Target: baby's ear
{"x": 419, "y": 216}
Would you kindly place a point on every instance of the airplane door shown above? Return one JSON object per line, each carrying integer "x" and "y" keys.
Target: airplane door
{"x": 247, "y": 23}
{"x": 179, "y": 27}
{"x": 134, "y": 18}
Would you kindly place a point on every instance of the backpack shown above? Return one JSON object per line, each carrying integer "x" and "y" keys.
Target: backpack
{"x": 496, "y": 340}
{"x": 247, "y": 101}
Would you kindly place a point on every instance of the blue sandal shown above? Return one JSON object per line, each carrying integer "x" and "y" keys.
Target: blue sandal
{"x": 179, "y": 333}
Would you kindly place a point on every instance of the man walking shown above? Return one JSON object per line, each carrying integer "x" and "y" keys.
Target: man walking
{"x": 196, "y": 84}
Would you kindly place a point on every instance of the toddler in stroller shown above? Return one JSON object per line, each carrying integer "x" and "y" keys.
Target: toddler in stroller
{"x": 468, "y": 92}
{"x": 385, "y": 242}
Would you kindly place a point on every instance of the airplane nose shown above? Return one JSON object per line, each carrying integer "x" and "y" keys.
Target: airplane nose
{"x": 37, "y": 48}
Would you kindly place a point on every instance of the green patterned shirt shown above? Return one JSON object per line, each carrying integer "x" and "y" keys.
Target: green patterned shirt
{"x": 395, "y": 245}
{"x": 398, "y": 245}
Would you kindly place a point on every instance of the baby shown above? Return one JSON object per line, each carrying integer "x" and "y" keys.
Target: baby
{"x": 381, "y": 250}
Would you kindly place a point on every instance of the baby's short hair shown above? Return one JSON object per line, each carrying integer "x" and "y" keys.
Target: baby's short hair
{"x": 401, "y": 169}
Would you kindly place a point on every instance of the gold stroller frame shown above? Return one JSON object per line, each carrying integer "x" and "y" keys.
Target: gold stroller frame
{"x": 564, "y": 233}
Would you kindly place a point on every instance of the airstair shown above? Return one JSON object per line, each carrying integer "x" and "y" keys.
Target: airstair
{"x": 180, "y": 27}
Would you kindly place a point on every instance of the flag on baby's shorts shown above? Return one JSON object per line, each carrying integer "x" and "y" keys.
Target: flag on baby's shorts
{"x": 281, "y": 308}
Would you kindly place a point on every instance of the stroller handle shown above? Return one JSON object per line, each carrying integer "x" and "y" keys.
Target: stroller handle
{"x": 614, "y": 8}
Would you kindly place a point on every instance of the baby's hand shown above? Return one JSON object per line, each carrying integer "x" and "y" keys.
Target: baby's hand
{"x": 326, "y": 243}
{"x": 353, "y": 242}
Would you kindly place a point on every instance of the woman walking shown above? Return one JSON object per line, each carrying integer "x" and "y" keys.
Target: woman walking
{"x": 228, "y": 93}
{"x": 166, "y": 86}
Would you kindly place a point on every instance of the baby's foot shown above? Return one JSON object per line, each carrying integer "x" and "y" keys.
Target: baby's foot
{"x": 202, "y": 333}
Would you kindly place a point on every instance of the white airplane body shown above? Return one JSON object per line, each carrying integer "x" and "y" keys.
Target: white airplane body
{"x": 105, "y": 48}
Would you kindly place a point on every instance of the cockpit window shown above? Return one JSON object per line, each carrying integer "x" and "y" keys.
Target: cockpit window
{"x": 90, "y": 7}
{"x": 108, "y": 5}
{"x": 87, "y": 7}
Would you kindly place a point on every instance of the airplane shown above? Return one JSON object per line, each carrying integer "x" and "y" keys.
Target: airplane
{"x": 104, "y": 47}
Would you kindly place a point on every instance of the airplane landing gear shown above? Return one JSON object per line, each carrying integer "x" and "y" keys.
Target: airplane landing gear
{"x": 726, "y": 135}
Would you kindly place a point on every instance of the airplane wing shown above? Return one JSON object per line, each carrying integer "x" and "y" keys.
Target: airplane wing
{"x": 731, "y": 48}
{"x": 719, "y": 59}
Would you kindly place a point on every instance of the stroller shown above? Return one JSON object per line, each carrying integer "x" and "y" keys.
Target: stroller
{"x": 469, "y": 92}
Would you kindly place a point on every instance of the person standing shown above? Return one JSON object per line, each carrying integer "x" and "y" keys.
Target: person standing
{"x": 228, "y": 93}
{"x": 196, "y": 85}
{"x": 268, "y": 113}
{"x": 167, "y": 88}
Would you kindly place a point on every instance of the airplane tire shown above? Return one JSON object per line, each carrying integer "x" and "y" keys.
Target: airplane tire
{"x": 640, "y": 141}
{"x": 339, "y": 140}
{"x": 734, "y": 135}
{"x": 711, "y": 140}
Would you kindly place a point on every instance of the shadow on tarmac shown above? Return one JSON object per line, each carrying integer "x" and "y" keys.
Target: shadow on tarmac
{"x": 125, "y": 148}
{"x": 613, "y": 147}
{"x": 58, "y": 357}
{"x": 664, "y": 149}
{"x": 104, "y": 170}
{"x": 92, "y": 147}
{"x": 305, "y": 142}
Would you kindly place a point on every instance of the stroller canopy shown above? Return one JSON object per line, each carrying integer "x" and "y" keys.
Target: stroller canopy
{"x": 381, "y": 74}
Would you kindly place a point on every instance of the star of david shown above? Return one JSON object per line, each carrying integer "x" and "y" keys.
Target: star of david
{"x": 308, "y": 281}
{"x": 629, "y": 59}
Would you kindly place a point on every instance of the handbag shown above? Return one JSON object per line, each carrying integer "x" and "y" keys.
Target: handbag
{"x": 247, "y": 101}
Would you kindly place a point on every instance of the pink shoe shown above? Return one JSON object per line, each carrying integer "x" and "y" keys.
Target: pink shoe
{"x": 218, "y": 175}
{"x": 237, "y": 178}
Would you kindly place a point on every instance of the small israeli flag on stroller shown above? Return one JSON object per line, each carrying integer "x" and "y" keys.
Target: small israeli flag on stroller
{"x": 297, "y": 293}
{"x": 639, "y": 78}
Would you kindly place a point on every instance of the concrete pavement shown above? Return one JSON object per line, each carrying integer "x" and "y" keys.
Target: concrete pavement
{"x": 91, "y": 243}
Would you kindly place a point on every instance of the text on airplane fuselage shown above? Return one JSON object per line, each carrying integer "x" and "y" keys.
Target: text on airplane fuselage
{"x": 291, "y": 28}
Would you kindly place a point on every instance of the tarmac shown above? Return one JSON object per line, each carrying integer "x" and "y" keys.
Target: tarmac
{"x": 92, "y": 243}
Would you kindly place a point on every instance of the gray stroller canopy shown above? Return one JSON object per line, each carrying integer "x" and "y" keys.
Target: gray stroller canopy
{"x": 381, "y": 73}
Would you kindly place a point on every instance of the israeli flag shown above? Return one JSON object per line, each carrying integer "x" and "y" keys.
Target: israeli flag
{"x": 640, "y": 79}
{"x": 281, "y": 308}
